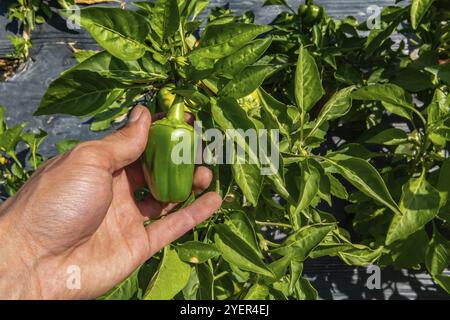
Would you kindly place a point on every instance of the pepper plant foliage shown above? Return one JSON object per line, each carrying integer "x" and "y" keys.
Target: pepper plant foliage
{"x": 364, "y": 131}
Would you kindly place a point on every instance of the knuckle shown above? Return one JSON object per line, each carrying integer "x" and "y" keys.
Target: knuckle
{"x": 90, "y": 153}
{"x": 132, "y": 142}
{"x": 84, "y": 150}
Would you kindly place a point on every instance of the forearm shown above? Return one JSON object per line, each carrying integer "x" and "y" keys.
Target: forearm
{"x": 16, "y": 263}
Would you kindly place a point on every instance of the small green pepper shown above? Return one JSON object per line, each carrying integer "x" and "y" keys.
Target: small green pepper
{"x": 165, "y": 97}
{"x": 310, "y": 13}
{"x": 169, "y": 180}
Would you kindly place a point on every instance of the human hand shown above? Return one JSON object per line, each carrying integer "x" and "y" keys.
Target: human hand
{"x": 78, "y": 209}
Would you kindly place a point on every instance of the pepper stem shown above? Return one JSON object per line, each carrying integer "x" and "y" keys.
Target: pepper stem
{"x": 176, "y": 111}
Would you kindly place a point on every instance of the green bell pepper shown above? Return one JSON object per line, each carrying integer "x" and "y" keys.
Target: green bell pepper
{"x": 310, "y": 13}
{"x": 168, "y": 180}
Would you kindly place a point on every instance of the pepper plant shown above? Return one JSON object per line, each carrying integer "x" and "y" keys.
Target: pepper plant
{"x": 352, "y": 129}
{"x": 19, "y": 155}
{"x": 28, "y": 14}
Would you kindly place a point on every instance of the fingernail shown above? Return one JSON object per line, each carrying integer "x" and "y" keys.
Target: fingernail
{"x": 135, "y": 114}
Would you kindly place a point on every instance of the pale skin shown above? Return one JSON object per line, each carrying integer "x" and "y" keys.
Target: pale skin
{"x": 79, "y": 210}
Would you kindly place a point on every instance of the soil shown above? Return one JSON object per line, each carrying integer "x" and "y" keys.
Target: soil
{"x": 8, "y": 67}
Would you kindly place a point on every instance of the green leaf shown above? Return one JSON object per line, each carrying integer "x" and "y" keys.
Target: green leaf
{"x": 145, "y": 275}
{"x": 125, "y": 290}
{"x": 237, "y": 252}
{"x": 329, "y": 249}
{"x": 242, "y": 58}
{"x": 196, "y": 252}
{"x": 194, "y": 8}
{"x": 418, "y": 10}
{"x": 279, "y": 267}
{"x": 112, "y": 29}
{"x": 438, "y": 254}
{"x": 389, "y": 137}
{"x": 442, "y": 71}
{"x": 359, "y": 255}
{"x": 309, "y": 184}
{"x": 275, "y": 3}
{"x": 413, "y": 80}
{"x": 171, "y": 277}
{"x": 80, "y": 93}
{"x": 356, "y": 150}
{"x": 438, "y": 108}
{"x": 229, "y": 115}
{"x": 248, "y": 173}
{"x": 338, "y": 106}
{"x": 308, "y": 85}
{"x": 336, "y": 188}
{"x": 191, "y": 288}
{"x": 193, "y": 95}
{"x": 276, "y": 113}
{"x": 378, "y": 36}
{"x": 393, "y": 98}
{"x": 443, "y": 186}
{"x": 419, "y": 204}
{"x": 296, "y": 269}
{"x": 11, "y": 137}
{"x": 240, "y": 224}
{"x": 233, "y": 34}
{"x": 410, "y": 252}
{"x": 2, "y": 119}
{"x": 249, "y": 179}
{"x": 305, "y": 291}
{"x": 165, "y": 18}
{"x": 104, "y": 119}
{"x": 66, "y": 145}
{"x": 300, "y": 244}
{"x": 257, "y": 292}
{"x": 142, "y": 70}
{"x": 364, "y": 177}
{"x": 34, "y": 140}
{"x": 219, "y": 41}
{"x": 247, "y": 81}
{"x": 443, "y": 281}
{"x": 83, "y": 55}
{"x": 206, "y": 282}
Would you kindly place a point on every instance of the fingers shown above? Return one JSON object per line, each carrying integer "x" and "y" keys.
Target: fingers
{"x": 151, "y": 208}
{"x": 170, "y": 228}
{"x": 202, "y": 179}
{"x": 188, "y": 117}
{"x": 121, "y": 148}
{"x": 126, "y": 145}
{"x": 136, "y": 175}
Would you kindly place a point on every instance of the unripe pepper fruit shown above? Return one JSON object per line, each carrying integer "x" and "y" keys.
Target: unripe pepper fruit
{"x": 168, "y": 180}
{"x": 310, "y": 13}
{"x": 165, "y": 97}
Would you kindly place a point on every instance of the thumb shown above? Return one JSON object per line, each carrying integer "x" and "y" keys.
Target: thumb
{"x": 126, "y": 145}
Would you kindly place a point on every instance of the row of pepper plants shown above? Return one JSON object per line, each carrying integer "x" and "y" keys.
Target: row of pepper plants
{"x": 364, "y": 120}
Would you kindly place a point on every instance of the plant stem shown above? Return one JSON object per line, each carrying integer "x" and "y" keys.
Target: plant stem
{"x": 13, "y": 156}
{"x": 218, "y": 264}
{"x": 217, "y": 178}
{"x": 220, "y": 275}
{"x": 274, "y": 224}
{"x": 184, "y": 48}
{"x": 33, "y": 157}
